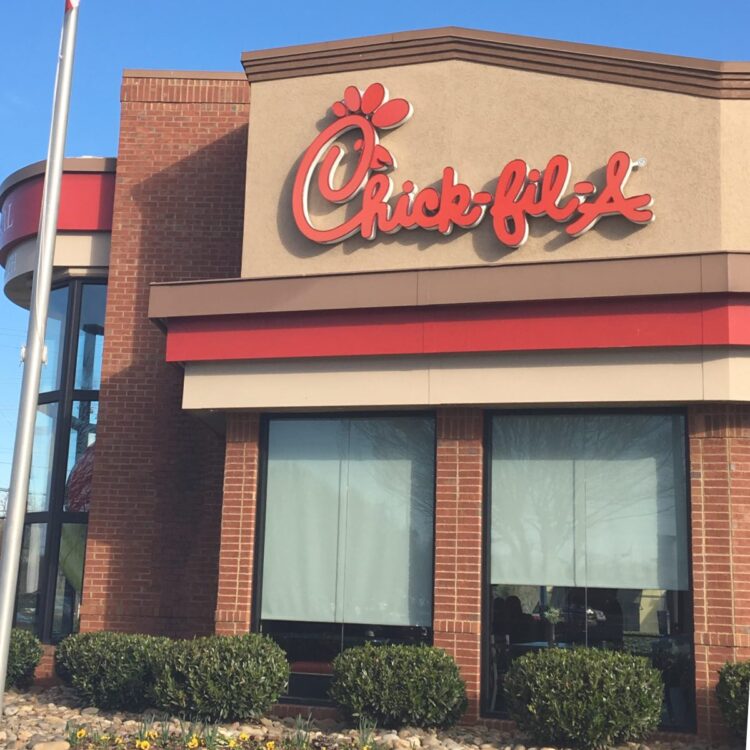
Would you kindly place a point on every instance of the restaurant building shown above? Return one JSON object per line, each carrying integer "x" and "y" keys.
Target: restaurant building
{"x": 436, "y": 337}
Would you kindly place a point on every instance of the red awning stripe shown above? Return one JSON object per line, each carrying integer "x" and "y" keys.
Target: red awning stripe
{"x": 697, "y": 320}
{"x": 86, "y": 201}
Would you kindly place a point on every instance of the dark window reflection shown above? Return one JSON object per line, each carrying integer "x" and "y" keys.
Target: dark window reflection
{"x": 80, "y": 465}
{"x": 69, "y": 584}
{"x": 648, "y": 623}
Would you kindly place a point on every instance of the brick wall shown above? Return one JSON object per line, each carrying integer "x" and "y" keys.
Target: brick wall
{"x": 720, "y": 497}
{"x": 152, "y": 554}
{"x": 237, "y": 556}
{"x": 458, "y": 543}
{"x": 720, "y": 519}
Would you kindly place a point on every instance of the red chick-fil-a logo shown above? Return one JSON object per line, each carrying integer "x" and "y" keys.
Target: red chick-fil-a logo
{"x": 519, "y": 194}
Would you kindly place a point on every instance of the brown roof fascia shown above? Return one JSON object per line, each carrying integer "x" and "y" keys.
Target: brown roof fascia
{"x": 685, "y": 75}
{"x": 623, "y": 277}
{"x": 71, "y": 164}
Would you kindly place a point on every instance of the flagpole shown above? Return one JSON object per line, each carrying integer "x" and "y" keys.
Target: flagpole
{"x": 34, "y": 351}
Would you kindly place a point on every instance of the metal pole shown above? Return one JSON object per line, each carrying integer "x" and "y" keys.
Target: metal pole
{"x": 34, "y": 352}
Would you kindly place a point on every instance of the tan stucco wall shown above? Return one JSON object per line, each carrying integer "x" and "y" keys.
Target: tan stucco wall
{"x": 76, "y": 254}
{"x": 476, "y": 118}
{"x": 527, "y": 378}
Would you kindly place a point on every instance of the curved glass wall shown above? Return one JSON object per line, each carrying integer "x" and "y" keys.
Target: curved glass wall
{"x": 54, "y": 542}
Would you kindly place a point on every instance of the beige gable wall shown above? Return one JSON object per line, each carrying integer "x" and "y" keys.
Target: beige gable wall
{"x": 476, "y": 118}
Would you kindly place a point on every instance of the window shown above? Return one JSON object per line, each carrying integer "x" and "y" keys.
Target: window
{"x": 348, "y": 535}
{"x": 51, "y": 574}
{"x": 588, "y": 543}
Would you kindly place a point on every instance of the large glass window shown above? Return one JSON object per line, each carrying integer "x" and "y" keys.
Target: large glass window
{"x": 90, "y": 337}
{"x": 348, "y": 542}
{"x": 31, "y": 576}
{"x": 588, "y": 542}
{"x": 69, "y": 583}
{"x": 50, "y": 581}
{"x": 43, "y": 453}
{"x": 57, "y": 317}
{"x": 80, "y": 465}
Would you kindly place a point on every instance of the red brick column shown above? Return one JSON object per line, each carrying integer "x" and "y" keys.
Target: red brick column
{"x": 236, "y": 558}
{"x": 458, "y": 543}
{"x": 720, "y": 517}
{"x": 153, "y": 540}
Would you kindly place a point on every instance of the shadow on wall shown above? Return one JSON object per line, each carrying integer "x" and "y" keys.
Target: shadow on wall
{"x": 155, "y": 521}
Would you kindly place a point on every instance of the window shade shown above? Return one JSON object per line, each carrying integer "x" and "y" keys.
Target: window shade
{"x": 349, "y": 521}
{"x": 589, "y": 500}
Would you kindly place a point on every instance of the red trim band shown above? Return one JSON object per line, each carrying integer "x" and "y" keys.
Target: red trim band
{"x": 86, "y": 201}
{"x": 699, "y": 320}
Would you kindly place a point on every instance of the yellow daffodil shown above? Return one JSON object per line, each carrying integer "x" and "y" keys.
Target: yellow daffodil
{"x": 104, "y": 738}
{"x": 244, "y": 737}
{"x": 144, "y": 745}
{"x": 270, "y": 745}
{"x": 119, "y": 741}
{"x": 193, "y": 742}
{"x": 153, "y": 734}
{"x": 366, "y": 747}
{"x": 80, "y": 734}
{"x": 232, "y": 743}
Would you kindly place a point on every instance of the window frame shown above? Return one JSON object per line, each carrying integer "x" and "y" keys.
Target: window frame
{"x": 260, "y": 517}
{"x": 486, "y": 597}
{"x": 55, "y": 516}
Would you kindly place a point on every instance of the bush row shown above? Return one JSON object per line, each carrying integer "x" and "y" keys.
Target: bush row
{"x": 230, "y": 678}
{"x": 573, "y": 697}
{"x": 585, "y": 698}
{"x": 217, "y": 678}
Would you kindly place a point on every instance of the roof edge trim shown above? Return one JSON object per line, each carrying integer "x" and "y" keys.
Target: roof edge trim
{"x": 684, "y": 75}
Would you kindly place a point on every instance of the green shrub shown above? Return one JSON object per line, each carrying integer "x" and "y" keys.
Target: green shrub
{"x": 110, "y": 670}
{"x": 586, "y": 698}
{"x": 397, "y": 686}
{"x": 24, "y": 655}
{"x": 731, "y": 691}
{"x": 221, "y": 678}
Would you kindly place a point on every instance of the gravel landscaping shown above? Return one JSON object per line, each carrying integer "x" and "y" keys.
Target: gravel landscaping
{"x": 38, "y": 720}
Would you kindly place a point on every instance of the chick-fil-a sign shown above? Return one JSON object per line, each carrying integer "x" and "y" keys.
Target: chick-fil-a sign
{"x": 520, "y": 192}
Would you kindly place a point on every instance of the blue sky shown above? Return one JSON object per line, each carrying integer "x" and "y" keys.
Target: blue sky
{"x": 193, "y": 35}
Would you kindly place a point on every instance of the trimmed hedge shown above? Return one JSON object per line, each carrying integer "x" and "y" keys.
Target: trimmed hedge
{"x": 24, "y": 655}
{"x": 221, "y": 678}
{"x": 585, "y": 697}
{"x": 732, "y": 691}
{"x": 396, "y": 686}
{"x": 111, "y": 670}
